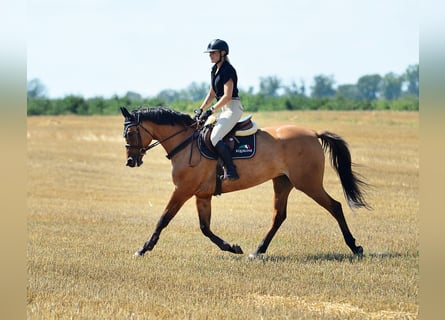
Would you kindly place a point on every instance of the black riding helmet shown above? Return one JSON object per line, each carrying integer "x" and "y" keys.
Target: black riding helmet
{"x": 217, "y": 45}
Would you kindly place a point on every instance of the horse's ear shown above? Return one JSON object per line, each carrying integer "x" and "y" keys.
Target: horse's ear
{"x": 125, "y": 112}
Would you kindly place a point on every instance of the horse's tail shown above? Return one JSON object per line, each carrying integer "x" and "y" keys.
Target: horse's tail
{"x": 341, "y": 161}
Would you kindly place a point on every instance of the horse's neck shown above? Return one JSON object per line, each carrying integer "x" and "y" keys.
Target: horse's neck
{"x": 171, "y": 136}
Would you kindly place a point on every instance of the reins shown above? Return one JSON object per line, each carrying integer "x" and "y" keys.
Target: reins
{"x": 158, "y": 142}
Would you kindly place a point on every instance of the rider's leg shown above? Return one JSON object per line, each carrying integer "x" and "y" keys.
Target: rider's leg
{"x": 224, "y": 153}
{"x": 229, "y": 116}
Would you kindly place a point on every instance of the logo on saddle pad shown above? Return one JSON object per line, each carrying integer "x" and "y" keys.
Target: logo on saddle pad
{"x": 241, "y": 140}
{"x": 243, "y": 148}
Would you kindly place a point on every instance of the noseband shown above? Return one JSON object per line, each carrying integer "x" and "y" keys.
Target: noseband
{"x": 142, "y": 150}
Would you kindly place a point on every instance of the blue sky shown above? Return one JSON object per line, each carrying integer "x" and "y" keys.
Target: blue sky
{"x": 107, "y": 47}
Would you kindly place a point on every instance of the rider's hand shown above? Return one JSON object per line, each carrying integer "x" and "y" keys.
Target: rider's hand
{"x": 198, "y": 113}
{"x": 204, "y": 117}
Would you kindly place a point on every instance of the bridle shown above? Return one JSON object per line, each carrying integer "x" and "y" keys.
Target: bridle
{"x": 141, "y": 149}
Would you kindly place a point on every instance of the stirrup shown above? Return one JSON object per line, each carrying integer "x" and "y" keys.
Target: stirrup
{"x": 233, "y": 174}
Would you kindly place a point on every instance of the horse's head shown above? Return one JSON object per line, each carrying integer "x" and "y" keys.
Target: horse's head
{"x": 137, "y": 139}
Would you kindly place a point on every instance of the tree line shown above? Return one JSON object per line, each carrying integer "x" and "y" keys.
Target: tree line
{"x": 370, "y": 92}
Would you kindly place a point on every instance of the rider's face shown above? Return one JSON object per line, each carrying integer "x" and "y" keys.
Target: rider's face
{"x": 215, "y": 56}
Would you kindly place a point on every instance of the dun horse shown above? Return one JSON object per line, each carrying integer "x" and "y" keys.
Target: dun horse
{"x": 291, "y": 156}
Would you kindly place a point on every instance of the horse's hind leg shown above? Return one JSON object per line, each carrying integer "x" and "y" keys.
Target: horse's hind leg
{"x": 205, "y": 212}
{"x": 335, "y": 208}
{"x": 282, "y": 187}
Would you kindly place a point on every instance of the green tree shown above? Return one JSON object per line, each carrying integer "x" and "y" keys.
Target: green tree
{"x": 36, "y": 89}
{"x": 391, "y": 86}
{"x": 168, "y": 95}
{"x": 303, "y": 89}
{"x": 348, "y": 91}
{"x": 39, "y": 106}
{"x": 74, "y": 104}
{"x": 197, "y": 91}
{"x": 323, "y": 87}
{"x": 133, "y": 96}
{"x": 368, "y": 86}
{"x": 96, "y": 105}
{"x": 269, "y": 86}
{"x": 412, "y": 77}
{"x": 294, "y": 90}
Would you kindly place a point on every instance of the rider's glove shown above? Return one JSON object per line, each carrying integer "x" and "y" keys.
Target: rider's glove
{"x": 198, "y": 113}
{"x": 205, "y": 115}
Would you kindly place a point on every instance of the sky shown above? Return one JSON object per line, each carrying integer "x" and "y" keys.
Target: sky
{"x": 110, "y": 47}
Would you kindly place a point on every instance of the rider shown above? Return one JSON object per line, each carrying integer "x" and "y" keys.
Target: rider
{"x": 224, "y": 88}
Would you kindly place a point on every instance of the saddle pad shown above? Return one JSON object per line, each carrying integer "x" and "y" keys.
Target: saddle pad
{"x": 244, "y": 148}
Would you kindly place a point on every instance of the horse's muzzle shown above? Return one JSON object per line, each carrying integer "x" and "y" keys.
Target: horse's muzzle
{"x": 132, "y": 163}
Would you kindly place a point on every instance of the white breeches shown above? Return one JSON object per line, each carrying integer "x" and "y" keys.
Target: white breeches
{"x": 229, "y": 116}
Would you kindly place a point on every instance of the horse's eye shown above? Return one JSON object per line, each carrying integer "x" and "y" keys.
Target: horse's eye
{"x": 132, "y": 136}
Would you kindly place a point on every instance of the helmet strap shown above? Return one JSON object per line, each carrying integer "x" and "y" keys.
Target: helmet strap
{"x": 220, "y": 57}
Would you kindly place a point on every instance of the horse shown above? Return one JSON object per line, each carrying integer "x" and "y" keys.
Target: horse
{"x": 292, "y": 156}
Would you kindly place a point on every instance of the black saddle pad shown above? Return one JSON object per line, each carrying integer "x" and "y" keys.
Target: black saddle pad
{"x": 244, "y": 148}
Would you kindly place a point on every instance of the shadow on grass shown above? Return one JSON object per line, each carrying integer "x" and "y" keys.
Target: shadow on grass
{"x": 322, "y": 257}
{"x": 340, "y": 257}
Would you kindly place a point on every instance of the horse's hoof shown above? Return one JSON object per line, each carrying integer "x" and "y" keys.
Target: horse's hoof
{"x": 237, "y": 249}
{"x": 253, "y": 256}
{"x": 138, "y": 254}
{"x": 359, "y": 251}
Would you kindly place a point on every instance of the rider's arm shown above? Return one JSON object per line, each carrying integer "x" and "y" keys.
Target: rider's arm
{"x": 208, "y": 99}
{"x": 228, "y": 90}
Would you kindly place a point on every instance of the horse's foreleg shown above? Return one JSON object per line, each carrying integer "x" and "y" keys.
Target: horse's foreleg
{"x": 205, "y": 211}
{"x": 282, "y": 187}
{"x": 176, "y": 201}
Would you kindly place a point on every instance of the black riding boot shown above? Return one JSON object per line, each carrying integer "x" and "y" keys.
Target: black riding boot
{"x": 224, "y": 152}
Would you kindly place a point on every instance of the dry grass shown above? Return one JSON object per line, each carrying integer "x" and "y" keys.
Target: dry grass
{"x": 88, "y": 213}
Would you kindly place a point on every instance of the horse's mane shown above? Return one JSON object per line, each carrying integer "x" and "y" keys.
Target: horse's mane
{"x": 163, "y": 116}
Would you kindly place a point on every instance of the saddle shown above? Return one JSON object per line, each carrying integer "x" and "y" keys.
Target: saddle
{"x": 243, "y": 131}
{"x": 240, "y": 140}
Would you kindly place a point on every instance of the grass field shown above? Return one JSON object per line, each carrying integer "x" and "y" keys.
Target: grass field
{"x": 88, "y": 214}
